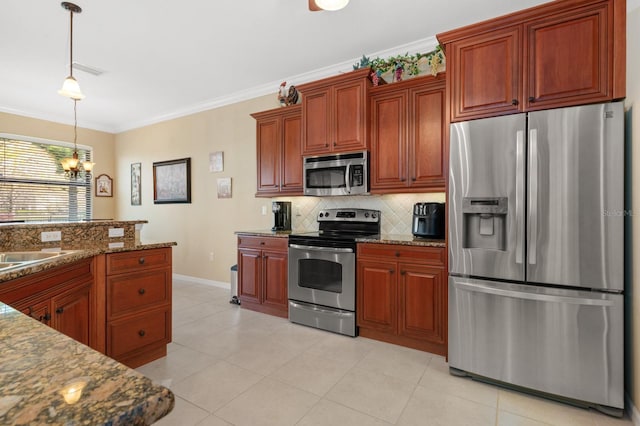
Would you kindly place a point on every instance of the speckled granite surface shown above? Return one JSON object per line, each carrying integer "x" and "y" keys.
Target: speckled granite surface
{"x": 266, "y": 233}
{"x": 403, "y": 239}
{"x": 79, "y": 250}
{"x": 37, "y": 362}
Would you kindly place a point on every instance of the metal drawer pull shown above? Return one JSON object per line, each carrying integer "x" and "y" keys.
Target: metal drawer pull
{"x": 141, "y": 260}
{"x": 60, "y": 310}
{"x": 141, "y": 291}
{"x": 141, "y": 333}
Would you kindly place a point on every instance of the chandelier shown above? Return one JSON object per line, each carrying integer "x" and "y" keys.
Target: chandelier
{"x": 72, "y": 167}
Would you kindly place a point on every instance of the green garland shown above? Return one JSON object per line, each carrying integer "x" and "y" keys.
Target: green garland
{"x": 406, "y": 62}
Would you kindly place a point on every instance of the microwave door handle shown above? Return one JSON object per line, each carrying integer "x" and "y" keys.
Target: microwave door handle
{"x": 348, "y": 178}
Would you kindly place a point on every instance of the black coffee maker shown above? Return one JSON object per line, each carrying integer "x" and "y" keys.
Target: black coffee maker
{"x": 281, "y": 215}
{"x": 428, "y": 220}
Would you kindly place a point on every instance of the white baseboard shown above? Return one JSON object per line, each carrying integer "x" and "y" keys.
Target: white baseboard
{"x": 203, "y": 281}
{"x": 632, "y": 410}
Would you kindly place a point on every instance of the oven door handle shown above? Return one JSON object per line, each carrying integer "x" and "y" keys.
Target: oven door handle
{"x": 324, "y": 249}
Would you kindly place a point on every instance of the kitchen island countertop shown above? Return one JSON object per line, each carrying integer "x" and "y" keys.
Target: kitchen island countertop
{"x": 38, "y": 369}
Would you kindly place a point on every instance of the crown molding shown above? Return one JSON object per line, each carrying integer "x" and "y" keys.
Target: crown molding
{"x": 423, "y": 45}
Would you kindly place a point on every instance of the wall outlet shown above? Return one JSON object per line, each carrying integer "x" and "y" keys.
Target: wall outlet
{"x": 116, "y": 232}
{"x": 211, "y": 257}
{"x": 264, "y": 210}
{"x": 50, "y": 236}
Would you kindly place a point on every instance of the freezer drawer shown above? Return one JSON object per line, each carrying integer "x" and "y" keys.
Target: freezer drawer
{"x": 563, "y": 342}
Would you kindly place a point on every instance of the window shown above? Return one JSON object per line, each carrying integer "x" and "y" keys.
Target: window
{"x": 33, "y": 186}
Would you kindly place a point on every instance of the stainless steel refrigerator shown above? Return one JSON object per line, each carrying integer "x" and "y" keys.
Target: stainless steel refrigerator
{"x": 536, "y": 244}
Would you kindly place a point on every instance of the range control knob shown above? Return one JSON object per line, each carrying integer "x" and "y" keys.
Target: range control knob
{"x": 366, "y": 214}
{"x": 326, "y": 214}
{"x": 374, "y": 215}
{"x": 321, "y": 214}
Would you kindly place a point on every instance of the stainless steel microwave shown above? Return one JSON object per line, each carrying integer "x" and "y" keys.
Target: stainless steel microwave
{"x": 337, "y": 174}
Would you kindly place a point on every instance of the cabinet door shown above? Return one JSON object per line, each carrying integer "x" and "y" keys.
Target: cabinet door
{"x": 40, "y": 311}
{"x": 349, "y": 116}
{"x": 291, "y": 164}
{"x": 421, "y": 300}
{"x": 275, "y": 279}
{"x": 485, "y": 73}
{"x": 249, "y": 274}
{"x": 389, "y": 140}
{"x": 427, "y": 137}
{"x": 71, "y": 313}
{"x": 568, "y": 58}
{"x": 268, "y": 154}
{"x": 376, "y": 295}
{"x": 316, "y": 121}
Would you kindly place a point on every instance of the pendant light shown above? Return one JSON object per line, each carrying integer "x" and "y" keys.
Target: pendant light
{"x": 331, "y": 4}
{"x": 72, "y": 166}
{"x": 70, "y": 87}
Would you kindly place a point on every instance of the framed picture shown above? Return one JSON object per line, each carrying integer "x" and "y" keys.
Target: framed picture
{"x": 172, "y": 181}
{"x": 104, "y": 186}
{"x": 216, "y": 161}
{"x": 224, "y": 187}
{"x": 136, "y": 184}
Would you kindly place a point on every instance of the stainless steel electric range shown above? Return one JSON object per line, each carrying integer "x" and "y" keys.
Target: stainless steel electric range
{"x": 322, "y": 269}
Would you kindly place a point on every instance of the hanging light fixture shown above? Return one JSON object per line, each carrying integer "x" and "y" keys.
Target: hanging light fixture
{"x": 331, "y": 4}
{"x": 72, "y": 166}
{"x": 70, "y": 87}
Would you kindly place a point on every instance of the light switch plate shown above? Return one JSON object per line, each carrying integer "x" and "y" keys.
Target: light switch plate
{"x": 116, "y": 232}
{"x": 50, "y": 236}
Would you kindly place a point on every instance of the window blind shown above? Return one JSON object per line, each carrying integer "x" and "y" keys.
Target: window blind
{"x": 33, "y": 186}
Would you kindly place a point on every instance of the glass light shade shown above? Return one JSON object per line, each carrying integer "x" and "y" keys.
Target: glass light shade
{"x": 88, "y": 166}
{"x": 331, "y": 4}
{"x": 71, "y": 89}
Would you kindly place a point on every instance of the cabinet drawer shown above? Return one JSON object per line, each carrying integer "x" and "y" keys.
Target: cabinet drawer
{"x": 271, "y": 243}
{"x": 422, "y": 255}
{"x": 130, "y": 292}
{"x": 137, "y": 260}
{"x": 137, "y": 332}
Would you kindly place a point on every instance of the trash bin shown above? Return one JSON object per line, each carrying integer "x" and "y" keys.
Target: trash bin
{"x": 234, "y": 285}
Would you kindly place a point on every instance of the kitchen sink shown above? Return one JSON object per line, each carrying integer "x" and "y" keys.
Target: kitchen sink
{"x": 14, "y": 259}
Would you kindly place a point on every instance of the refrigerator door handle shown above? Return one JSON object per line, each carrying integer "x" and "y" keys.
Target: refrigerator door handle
{"x": 478, "y": 288}
{"x": 519, "y": 194}
{"x": 533, "y": 196}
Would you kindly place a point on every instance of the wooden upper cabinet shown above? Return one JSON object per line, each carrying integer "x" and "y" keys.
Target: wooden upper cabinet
{"x": 408, "y": 131}
{"x": 562, "y": 53}
{"x": 577, "y": 69}
{"x": 486, "y": 74}
{"x": 278, "y": 145}
{"x": 335, "y": 114}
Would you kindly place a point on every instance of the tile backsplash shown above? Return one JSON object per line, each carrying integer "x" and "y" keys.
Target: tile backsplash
{"x": 397, "y": 209}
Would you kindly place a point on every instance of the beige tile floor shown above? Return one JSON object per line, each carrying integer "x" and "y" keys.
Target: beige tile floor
{"x": 231, "y": 366}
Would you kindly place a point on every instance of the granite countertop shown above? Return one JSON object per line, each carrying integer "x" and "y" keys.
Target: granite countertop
{"x": 39, "y": 366}
{"x": 64, "y": 224}
{"x": 266, "y": 233}
{"x": 79, "y": 251}
{"x": 403, "y": 239}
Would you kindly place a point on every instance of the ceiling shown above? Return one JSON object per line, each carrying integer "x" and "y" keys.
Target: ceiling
{"x": 166, "y": 59}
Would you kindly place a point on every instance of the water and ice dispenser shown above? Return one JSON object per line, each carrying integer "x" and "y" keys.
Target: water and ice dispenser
{"x": 485, "y": 222}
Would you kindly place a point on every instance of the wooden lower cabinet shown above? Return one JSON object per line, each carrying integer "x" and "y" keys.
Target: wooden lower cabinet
{"x": 138, "y": 290}
{"x": 262, "y": 274}
{"x": 402, "y": 295}
{"x": 62, "y": 298}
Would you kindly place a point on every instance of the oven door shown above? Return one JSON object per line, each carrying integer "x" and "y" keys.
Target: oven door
{"x": 323, "y": 275}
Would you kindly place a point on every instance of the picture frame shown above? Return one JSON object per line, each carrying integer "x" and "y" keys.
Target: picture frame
{"x": 224, "y": 187}
{"x": 104, "y": 186}
{"x": 216, "y": 161}
{"x": 172, "y": 181}
{"x": 136, "y": 184}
